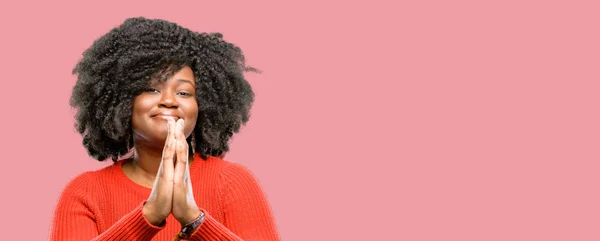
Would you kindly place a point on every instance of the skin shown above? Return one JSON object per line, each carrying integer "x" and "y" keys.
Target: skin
{"x": 161, "y": 160}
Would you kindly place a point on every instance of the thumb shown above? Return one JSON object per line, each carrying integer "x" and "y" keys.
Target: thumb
{"x": 189, "y": 192}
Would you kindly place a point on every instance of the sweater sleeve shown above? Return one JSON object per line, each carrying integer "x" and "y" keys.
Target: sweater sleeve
{"x": 75, "y": 217}
{"x": 248, "y": 214}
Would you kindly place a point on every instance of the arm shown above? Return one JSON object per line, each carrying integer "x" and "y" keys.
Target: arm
{"x": 75, "y": 217}
{"x": 248, "y": 214}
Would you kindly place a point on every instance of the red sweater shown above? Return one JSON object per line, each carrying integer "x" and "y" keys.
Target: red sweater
{"x": 107, "y": 205}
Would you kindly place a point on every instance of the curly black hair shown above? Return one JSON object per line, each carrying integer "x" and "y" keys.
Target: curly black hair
{"x": 120, "y": 64}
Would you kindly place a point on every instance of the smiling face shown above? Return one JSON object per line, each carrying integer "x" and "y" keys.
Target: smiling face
{"x": 173, "y": 98}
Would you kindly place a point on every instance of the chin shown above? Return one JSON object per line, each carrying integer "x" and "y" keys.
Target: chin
{"x": 159, "y": 135}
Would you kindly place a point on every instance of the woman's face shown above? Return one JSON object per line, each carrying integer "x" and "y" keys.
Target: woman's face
{"x": 174, "y": 98}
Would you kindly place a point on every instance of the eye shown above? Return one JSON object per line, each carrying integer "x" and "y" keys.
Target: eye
{"x": 186, "y": 94}
{"x": 151, "y": 90}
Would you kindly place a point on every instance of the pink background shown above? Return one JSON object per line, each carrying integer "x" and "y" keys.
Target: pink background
{"x": 437, "y": 120}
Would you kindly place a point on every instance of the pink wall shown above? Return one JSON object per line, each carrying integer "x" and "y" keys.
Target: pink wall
{"x": 445, "y": 120}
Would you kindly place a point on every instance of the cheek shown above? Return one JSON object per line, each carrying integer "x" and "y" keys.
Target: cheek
{"x": 140, "y": 107}
{"x": 191, "y": 117}
{"x": 143, "y": 103}
{"x": 190, "y": 108}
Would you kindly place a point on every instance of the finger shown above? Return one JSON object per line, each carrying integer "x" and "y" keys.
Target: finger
{"x": 169, "y": 151}
{"x": 182, "y": 153}
{"x": 189, "y": 190}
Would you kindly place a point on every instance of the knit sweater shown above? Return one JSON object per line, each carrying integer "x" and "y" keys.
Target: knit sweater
{"x": 106, "y": 205}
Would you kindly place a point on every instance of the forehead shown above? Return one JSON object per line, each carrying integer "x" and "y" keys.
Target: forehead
{"x": 185, "y": 74}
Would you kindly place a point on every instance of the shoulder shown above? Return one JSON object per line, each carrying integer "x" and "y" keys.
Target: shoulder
{"x": 79, "y": 183}
{"x": 76, "y": 192}
{"x": 232, "y": 169}
{"x": 228, "y": 169}
{"x": 237, "y": 175}
{"x": 218, "y": 165}
{"x": 85, "y": 183}
{"x": 239, "y": 187}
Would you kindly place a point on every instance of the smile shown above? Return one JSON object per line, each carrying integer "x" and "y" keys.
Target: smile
{"x": 163, "y": 116}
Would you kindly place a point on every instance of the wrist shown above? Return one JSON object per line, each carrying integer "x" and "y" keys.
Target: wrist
{"x": 189, "y": 229}
{"x": 190, "y": 217}
{"x": 151, "y": 217}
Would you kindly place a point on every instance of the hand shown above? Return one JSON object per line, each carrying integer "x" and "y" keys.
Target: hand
{"x": 184, "y": 206}
{"x": 158, "y": 206}
{"x": 172, "y": 190}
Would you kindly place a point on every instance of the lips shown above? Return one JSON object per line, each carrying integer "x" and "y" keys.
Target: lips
{"x": 166, "y": 115}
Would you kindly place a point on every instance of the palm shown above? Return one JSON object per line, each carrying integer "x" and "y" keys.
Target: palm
{"x": 184, "y": 206}
{"x": 172, "y": 190}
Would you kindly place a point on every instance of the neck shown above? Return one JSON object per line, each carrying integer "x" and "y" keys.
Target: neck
{"x": 144, "y": 164}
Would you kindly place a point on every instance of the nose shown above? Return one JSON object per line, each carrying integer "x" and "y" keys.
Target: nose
{"x": 168, "y": 100}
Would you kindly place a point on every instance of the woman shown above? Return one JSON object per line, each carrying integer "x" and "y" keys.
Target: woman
{"x": 173, "y": 98}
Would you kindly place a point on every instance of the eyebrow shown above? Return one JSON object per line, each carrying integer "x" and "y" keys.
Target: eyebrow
{"x": 186, "y": 81}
